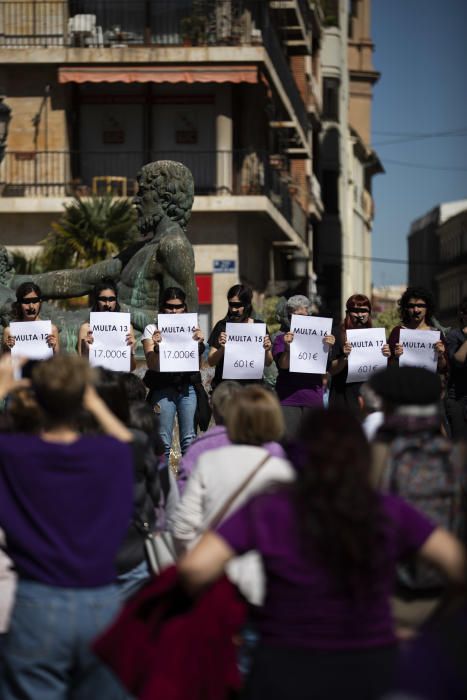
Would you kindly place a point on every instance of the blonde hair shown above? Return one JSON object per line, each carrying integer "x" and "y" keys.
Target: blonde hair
{"x": 254, "y": 417}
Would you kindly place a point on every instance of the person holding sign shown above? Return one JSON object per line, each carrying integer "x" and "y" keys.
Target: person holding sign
{"x": 104, "y": 298}
{"x": 416, "y": 308}
{"x": 357, "y": 316}
{"x": 27, "y": 308}
{"x": 173, "y": 392}
{"x": 297, "y": 391}
{"x": 239, "y": 299}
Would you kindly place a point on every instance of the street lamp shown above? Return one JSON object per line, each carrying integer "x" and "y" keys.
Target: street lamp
{"x": 5, "y": 118}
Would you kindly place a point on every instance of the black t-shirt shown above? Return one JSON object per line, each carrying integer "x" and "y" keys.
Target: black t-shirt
{"x": 213, "y": 342}
{"x": 342, "y": 394}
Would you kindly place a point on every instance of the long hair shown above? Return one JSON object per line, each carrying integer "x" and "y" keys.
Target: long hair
{"x": 106, "y": 283}
{"x": 109, "y": 385}
{"x": 22, "y": 290}
{"x": 416, "y": 293}
{"x": 245, "y": 294}
{"x": 339, "y": 513}
{"x": 354, "y": 301}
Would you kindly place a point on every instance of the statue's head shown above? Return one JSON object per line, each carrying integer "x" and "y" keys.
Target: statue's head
{"x": 165, "y": 188}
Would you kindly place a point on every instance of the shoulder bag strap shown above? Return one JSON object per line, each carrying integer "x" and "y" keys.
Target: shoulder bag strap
{"x": 217, "y": 519}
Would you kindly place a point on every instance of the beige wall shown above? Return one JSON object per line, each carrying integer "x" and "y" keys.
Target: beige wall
{"x": 221, "y": 282}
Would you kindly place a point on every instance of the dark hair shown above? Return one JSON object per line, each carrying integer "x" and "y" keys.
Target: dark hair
{"x": 110, "y": 387}
{"x": 172, "y": 293}
{"x": 106, "y": 283}
{"x": 142, "y": 417}
{"x": 24, "y": 412}
{"x": 416, "y": 293}
{"x": 134, "y": 386}
{"x": 245, "y": 294}
{"x": 338, "y": 511}
{"x": 22, "y": 290}
{"x": 354, "y": 301}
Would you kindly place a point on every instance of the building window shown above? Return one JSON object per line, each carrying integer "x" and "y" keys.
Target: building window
{"x": 331, "y": 99}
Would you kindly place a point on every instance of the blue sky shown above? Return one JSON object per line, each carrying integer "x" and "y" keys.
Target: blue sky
{"x": 421, "y": 52}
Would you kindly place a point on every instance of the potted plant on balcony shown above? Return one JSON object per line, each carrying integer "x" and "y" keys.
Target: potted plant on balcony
{"x": 194, "y": 28}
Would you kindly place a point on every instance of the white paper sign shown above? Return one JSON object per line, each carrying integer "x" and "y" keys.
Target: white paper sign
{"x": 31, "y": 339}
{"x": 418, "y": 349}
{"x": 244, "y": 352}
{"x": 308, "y": 352}
{"x": 366, "y": 356}
{"x": 178, "y": 352}
{"x": 109, "y": 348}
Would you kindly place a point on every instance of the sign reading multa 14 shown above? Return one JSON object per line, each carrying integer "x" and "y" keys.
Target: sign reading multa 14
{"x": 224, "y": 265}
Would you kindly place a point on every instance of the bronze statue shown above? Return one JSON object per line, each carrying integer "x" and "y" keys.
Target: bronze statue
{"x": 163, "y": 258}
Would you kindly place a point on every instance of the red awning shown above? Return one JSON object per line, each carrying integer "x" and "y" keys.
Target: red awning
{"x": 159, "y": 74}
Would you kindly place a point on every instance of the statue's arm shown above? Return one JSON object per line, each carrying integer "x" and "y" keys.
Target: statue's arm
{"x": 61, "y": 284}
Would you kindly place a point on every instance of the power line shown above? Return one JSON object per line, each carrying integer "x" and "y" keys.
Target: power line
{"x": 393, "y": 261}
{"x": 426, "y": 166}
{"x": 405, "y": 138}
{"x": 416, "y": 133}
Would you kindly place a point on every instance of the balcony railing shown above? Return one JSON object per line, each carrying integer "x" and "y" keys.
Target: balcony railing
{"x": 73, "y": 173}
{"x": 119, "y": 22}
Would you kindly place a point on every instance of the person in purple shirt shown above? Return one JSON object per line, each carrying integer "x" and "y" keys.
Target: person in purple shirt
{"x": 217, "y": 436}
{"x": 65, "y": 507}
{"x": 297, "y": 391}
{"x": 329, "y": 544}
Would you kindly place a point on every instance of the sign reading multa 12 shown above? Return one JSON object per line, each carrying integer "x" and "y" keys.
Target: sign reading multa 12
{"x": 224, "y": 266}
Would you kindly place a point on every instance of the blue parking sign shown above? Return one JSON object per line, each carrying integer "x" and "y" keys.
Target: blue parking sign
{"x": 224, "y": 266}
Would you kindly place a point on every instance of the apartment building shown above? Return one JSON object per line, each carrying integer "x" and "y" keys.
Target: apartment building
{"x": 232, "y": 88}
{"x": 342, "y": 239}
{"x": 437, "y": 244}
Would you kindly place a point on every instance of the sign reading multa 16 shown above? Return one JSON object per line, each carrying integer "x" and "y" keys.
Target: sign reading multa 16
{"x": 224, "y": 265}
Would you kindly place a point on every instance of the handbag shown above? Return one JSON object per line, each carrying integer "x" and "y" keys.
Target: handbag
{"x": 203, "y": 407}
{"x": 159, "y": 547}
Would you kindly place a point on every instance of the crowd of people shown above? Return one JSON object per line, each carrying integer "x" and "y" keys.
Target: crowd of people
{"x": 340, "y": 528}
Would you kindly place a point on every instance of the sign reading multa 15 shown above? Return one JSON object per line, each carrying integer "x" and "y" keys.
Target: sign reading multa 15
{"x": 224, "y": 266}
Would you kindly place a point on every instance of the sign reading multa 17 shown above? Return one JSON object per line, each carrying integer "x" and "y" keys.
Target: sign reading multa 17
{"x": 224, "y": 266}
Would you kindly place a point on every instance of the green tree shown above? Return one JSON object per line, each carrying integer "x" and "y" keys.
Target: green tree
{"x": 387, "y": 319}
{"x": 89, "y": 230}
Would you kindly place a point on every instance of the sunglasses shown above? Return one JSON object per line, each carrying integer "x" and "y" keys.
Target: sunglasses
{"x": 174, "y": 307}
{"x": 357, "y": 310}
{"x": 31, "y": 300}
{"x": 103, "y": 300}
{"x": 416, "y": 306}
{"x": 236, "y": 304}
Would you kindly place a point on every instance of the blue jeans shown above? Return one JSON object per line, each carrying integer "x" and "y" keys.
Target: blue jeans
{"x": 47, "y": 652}
{"x": 131, "y": 581}
{"x": 171, "y": 402}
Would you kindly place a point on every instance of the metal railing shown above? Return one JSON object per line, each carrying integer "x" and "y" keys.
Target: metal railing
{"x": 279, "y": 59}
{"x": 73, "y": 173}
{"x": 119, "y": 22}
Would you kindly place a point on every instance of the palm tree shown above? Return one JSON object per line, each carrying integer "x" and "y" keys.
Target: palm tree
{"x": 89, "y": 230}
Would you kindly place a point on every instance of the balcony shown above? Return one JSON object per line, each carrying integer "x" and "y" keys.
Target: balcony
{"x": 38, "y": 174}
{"x": 106, "y": 23}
